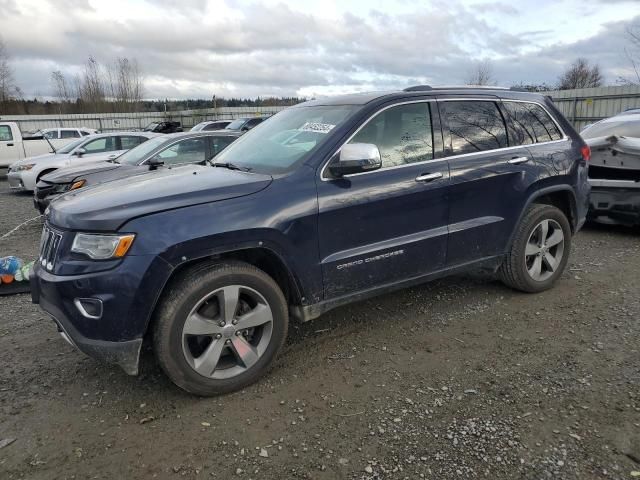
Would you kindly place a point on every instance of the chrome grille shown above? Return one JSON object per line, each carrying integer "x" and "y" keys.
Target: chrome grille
{"x": 49, "y": 244}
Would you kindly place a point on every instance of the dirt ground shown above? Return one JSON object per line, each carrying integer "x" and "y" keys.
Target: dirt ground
{"x": 461, "y": 378}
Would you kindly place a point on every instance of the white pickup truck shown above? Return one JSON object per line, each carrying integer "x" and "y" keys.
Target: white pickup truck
{"x": 13, "y": 147}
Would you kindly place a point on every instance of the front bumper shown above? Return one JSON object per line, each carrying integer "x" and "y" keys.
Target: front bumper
{"x": 15, "y": 181}
{"x": 126, "y": 295}
{"x": 615, "y": 201}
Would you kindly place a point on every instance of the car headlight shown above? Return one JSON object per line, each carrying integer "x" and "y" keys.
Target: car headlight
{"x": 102, "y": 247}
{"x": 22, "y": 168}
{"x": 77, "y": 185}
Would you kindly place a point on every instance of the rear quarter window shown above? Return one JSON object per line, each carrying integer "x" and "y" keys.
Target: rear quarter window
{"x": 529, "y": 123}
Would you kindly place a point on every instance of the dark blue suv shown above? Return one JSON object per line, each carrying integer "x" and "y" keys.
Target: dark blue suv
{"x": 327, "y": 202}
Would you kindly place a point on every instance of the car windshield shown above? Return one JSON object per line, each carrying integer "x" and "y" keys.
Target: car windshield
{"x": 286, "y": 139}
{"x": 150, "y": 127}
{"x": 198, "y": 127}
{"x": 138, "y": 154}
{"x": 70, "y": 146}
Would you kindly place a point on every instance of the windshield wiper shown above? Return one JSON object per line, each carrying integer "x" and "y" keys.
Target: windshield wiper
{"x": 230, "y": 166}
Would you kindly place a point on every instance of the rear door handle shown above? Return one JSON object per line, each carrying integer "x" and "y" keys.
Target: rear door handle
{"x": 518, "y": 160}
{"x": 428, "y": 177}
{"x": 9, "y": 144}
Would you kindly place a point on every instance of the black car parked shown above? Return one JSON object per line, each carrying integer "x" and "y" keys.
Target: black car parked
{"x": 163, "y": 127}
{"x": 328, "y": 202}
{"x": 167, "y": 150}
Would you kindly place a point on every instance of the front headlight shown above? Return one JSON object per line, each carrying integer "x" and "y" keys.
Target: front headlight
{"x": 22, "y": 168}
{"x": 77, "y": 185}
{"x": 102, "y": 247}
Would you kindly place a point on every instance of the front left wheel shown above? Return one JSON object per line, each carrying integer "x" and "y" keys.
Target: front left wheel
{"x": 220, "y": 327}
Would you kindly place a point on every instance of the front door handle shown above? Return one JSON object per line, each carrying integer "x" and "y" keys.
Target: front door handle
{"x": 428, "y": 177}
{"x": 9, "y": 144}
{"x": 518, "y": 160}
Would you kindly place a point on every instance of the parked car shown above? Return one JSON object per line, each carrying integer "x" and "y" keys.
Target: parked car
{"x": 14, "y": 146}
{"x": 165, "y": 150}
{"x": 244, "y": 124}
{"x": 211, "y": 125}
{"x": 614, "y": 170}
{"x": 329, "y": 202}
{"x": 57, "y": 133}
{"x": 163, "y": 127}
{"x": 24, "y": 174}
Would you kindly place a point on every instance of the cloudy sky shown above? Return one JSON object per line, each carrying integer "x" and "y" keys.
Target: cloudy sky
{"x": 195, "y": 48}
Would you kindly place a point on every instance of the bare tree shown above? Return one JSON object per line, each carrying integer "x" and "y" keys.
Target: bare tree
{"x": 8, "y": 88}
{"x": 580, "y": 75}
{"x": 118, "y": 87}
{"x": 62, "y": 90}
{"x": 125, "y": 84}
{"x": 632, "y": 52}
{"x": 481, "y": 74}
{"x": 92, "y": 86}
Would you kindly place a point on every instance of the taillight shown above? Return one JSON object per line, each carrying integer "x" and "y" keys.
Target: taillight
{"x": 586, "y": 153}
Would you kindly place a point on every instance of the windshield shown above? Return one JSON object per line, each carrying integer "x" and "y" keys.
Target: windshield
{"x": 70, "y": 146}
{"x": 150, "y": 127}
{"x": 138, "y": 154}
{"x": 198, "y": 127}
{"x": 286, "y": 139}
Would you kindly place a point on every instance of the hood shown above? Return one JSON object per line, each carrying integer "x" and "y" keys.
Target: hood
{"x": 37, "y": 159}
{"x": 108, "y": 206}
{"x": 69, "y": 174}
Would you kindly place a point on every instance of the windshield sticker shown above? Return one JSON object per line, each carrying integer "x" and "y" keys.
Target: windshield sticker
{"x": 316, "y": 127}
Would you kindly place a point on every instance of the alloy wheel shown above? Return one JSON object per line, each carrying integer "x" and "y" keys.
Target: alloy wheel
{"x": 227, "y": 332}
{"x": 544, "y": 250}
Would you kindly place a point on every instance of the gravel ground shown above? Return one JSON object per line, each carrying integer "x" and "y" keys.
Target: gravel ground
{"x": 461, "y": 378}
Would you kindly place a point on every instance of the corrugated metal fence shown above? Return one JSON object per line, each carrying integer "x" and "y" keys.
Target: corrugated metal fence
{"x": 107, "y": 122}
{"x": 588, "y": 105}
{"x": 581, "y": 107}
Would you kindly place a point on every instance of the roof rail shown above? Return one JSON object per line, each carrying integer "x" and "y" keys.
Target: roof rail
{"x": 418, "y": 88}
{"x": 423, "y": 88}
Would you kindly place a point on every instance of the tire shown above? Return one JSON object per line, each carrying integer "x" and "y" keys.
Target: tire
{"x": 201, "y": 294}
{"x": 519, "y": 269}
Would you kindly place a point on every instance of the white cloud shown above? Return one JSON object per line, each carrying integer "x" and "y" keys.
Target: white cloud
{"x": 282, "y": 47}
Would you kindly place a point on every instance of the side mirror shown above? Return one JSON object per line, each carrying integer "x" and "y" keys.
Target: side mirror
{"x": 155, "y": 162}
{"x": 80, "y": 152}
{"x": 356, "y": 158}
{"x": 245, "y": 129}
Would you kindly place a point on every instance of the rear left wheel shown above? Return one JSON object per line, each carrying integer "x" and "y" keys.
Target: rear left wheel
{"x": 220, "y": 328}
{"x": 540, "y": 250}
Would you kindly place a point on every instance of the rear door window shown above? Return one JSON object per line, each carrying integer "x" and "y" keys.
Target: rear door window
{"x": 475, "y": 126}
{"x": 52, "y": 134}
{"x": 529, "y": 123}
{"x": 403, "y": 134}
{"x": 69, "y": 134}
{"x": 100, "y": 145}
